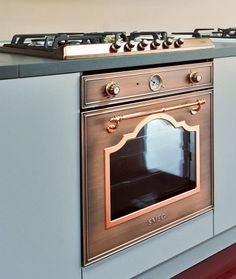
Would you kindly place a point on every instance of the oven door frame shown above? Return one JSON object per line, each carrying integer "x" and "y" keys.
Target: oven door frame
{"x": 109, "y": 150}
{"x": 101, "y": 237}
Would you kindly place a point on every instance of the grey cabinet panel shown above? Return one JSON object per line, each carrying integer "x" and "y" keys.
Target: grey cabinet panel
{"x": 190, "y": 257}
{"x": 225, "y": 144}
{"x": 153, "y": 251}
{"x": 39, "y": 178}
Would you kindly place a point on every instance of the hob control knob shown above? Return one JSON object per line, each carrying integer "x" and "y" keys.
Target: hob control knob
{"x": 167, "y": 43}
{"x": 143, "y": 44}
{"x": 195, "y": 77}
{"x": 179, "y": 42}
{"x": 115, "y": 46}
{"x": 155, "y": 43}
{"x": 112, "y": 88}
{"x": 130, "y": 45}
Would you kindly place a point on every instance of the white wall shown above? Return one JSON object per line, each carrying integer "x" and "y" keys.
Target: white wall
{"x": 24, "y": 16}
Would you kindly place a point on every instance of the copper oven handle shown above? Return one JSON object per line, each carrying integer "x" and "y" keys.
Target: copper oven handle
{"x": 115, "y": 121}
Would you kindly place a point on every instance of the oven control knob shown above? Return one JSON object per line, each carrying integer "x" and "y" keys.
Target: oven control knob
{"x": 167, "y": 43}
{"x": 143, "y": 44}
{"x": 115, "y": 46}
{"x": 155, "y": 43}
{"x": 195, "y": 77}
{"x": 179, "y": 42}
{"x": 130, "y": 45}
{"x": 112, "y": 88}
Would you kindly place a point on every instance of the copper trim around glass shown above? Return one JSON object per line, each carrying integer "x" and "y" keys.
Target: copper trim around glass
{"x": 108, "y": 151}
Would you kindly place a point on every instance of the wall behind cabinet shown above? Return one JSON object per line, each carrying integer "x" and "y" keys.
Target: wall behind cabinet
{"x": 34, "y": 16}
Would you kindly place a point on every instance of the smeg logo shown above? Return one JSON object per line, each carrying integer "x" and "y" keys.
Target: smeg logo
{"x": 156, "y": 219}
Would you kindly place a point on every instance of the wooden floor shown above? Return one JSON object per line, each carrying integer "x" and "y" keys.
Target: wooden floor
{"x": 219, "y": 266}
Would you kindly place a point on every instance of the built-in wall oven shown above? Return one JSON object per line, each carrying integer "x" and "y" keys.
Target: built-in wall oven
{"x": 146, "y": 153}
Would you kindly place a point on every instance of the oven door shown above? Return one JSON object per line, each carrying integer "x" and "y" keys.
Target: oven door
{"x": 146, "y": 167}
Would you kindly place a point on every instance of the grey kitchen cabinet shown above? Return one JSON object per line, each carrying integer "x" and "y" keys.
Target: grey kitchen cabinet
{"x": 39, "y": 178}
{"x": 40, "y": 188}
{"x": 187, "y": 259}
{"x": 224, "y": 144}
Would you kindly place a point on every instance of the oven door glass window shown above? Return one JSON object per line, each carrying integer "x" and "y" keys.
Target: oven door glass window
{"x": 158, "y": 164}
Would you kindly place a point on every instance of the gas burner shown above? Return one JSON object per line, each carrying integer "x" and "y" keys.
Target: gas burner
{"x": 95, "y": 44}
{"x": 53, "y": 41}
{"x": 197, "y": 33}
{"x": 210, "y": 33}
{"x": 228, "y": 32}
{"x": 149, "y": 35}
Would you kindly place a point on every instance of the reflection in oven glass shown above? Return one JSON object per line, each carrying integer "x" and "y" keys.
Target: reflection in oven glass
{"x": 158, "y": 164}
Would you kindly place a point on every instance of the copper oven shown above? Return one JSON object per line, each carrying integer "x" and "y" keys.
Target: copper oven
{"x": 146, "y": 153}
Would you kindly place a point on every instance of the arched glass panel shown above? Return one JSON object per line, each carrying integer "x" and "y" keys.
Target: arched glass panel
{"x": 159, "y": 163}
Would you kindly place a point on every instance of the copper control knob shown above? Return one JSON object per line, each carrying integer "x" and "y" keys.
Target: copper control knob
{"x": 155, "y": 43}
{"x": 143, "y": 44}
{"x": 130, "y": 45}
{"x": 115, "y": 46}
{"x": 167, "y": 43}
{"x": 179, "y": 42}
{"x": 195, "y": 77}
{"x": 112, "y": 88}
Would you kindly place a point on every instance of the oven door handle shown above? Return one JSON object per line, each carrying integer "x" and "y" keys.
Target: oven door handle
{"x": 115, "y": 120}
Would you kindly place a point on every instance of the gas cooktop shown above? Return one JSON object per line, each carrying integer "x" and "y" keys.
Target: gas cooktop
{"x": 224, "y": 33}
{"x": 105, "y": 44}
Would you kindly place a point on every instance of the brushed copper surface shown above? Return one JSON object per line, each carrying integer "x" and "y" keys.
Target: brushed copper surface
{"x": 104, "y": 50}
{"x": 68, "y": 52}
{"x": 115, "y": 120}
{"x": 108, "y": 151}
{"x": 135, "y": 85}
{"x": 100, "y": 239}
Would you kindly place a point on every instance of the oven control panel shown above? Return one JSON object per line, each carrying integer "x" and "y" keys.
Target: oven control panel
{"x": 118, "y": 87}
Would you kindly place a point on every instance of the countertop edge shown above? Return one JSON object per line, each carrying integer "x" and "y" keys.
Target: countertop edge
{"x": 9, "y": 72}
{"x": 20, "y": 66}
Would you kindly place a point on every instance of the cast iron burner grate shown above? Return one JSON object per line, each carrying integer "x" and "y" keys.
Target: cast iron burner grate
{"x": 210, "y": 33}
{"x": 99, "y": 44}
{"x": 54, "y": 41}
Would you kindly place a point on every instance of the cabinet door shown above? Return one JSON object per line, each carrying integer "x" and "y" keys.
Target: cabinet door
{"x": 225, "y": 144}
{"x": 39, "y": 178}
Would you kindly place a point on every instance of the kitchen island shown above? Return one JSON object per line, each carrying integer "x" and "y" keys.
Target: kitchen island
{"x": 19, "y": 66}
{"x": 40, "y": 178}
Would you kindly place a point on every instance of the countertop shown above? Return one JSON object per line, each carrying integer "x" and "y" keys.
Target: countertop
{"x": 19, "y": 66}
